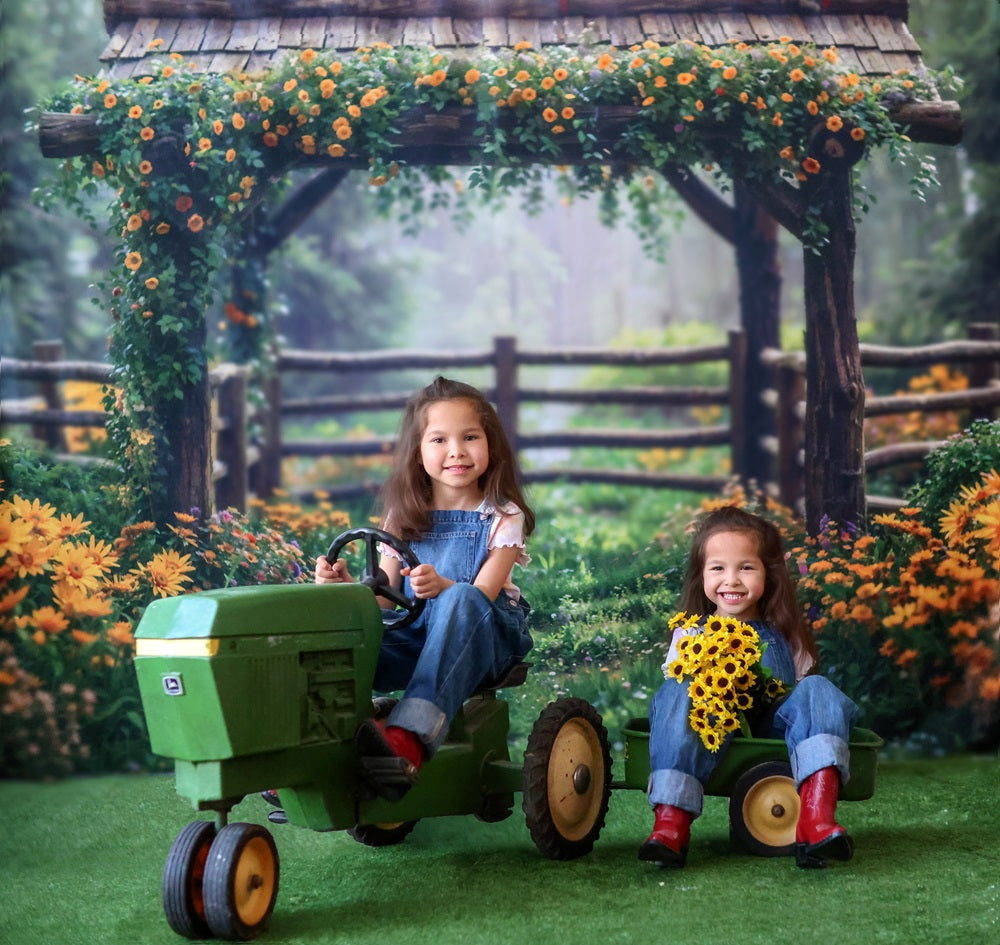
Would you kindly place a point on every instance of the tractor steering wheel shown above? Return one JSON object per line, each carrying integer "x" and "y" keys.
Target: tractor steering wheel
{"x": 374, "y": 577}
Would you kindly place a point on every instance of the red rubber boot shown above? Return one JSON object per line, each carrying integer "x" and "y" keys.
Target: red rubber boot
{"x": 818, "y": 836}
{"x": 667, "y": 845}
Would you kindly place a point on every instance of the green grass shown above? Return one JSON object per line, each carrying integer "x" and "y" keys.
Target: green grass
{"x": 80, "y": 862}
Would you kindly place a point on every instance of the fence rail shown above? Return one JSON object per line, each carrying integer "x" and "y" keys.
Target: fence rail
{"x": 240, "y": 463}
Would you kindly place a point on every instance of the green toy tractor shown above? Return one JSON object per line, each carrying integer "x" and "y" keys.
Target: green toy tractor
{"x": 257, "y": 688}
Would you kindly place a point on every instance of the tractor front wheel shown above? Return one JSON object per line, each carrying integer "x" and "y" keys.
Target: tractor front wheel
{"x": 241, "y": 882}
{"x": 183, "y": 878}
{"x": 566, "y": 779}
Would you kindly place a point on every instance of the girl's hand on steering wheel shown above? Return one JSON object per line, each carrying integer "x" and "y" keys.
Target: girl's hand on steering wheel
{"x": 335, "y": 573}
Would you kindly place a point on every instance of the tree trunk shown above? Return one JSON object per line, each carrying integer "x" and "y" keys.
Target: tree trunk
{"x": 835, "y": 391}
{"x": 760, "y": 313}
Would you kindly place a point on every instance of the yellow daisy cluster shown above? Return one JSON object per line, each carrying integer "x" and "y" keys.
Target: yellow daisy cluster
{"x": 721, "y": 661}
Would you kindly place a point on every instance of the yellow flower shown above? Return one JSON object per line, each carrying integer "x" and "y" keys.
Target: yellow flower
{"x": 167, "y": 572}
{"x": 46, "y": 620}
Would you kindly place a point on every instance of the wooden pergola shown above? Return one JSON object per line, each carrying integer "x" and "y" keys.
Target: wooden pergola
{"x": 871, "y": 39}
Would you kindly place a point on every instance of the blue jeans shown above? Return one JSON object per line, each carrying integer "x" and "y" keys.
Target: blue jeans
{"x": 461, "y": 640}
{"x": 815, "y": 720}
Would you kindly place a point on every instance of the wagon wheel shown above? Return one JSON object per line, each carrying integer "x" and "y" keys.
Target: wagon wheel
{"x": 372, "y": 576}
{"x": 764, "y": 809}
{"x": 183, "y": 875}
{"x": 566, "y": 779}
{"x": 241, "y": 882}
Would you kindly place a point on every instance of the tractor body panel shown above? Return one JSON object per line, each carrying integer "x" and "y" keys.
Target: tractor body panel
{"x": 255, "y": 688}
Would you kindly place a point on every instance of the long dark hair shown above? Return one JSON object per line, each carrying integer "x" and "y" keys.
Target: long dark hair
{"x": 406, "y": 495}
{"x": 778, "y": 605}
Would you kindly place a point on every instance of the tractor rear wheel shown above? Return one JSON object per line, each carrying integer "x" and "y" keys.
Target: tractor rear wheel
{"x": 566, "y": 779}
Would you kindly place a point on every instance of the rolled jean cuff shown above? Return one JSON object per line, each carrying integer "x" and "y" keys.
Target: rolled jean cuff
{"x": 817, "y": 752}
{"x": 677, "y": 789}
{"x": 423, "y": 718}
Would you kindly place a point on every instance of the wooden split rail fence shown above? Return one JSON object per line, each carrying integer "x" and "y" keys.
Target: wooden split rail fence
{"x": 240, "y": 464}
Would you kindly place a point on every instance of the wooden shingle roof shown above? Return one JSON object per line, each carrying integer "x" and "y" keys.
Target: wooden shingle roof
{"x": 871, "y": 36}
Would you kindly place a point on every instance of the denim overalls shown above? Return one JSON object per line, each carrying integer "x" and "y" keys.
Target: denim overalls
{"x": 815, "y": 720}
{"x": 461, "y": 639}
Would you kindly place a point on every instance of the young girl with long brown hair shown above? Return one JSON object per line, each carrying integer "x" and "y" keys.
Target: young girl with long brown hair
{"x": 737, "y": 569}
{"x": 454, "y": 495}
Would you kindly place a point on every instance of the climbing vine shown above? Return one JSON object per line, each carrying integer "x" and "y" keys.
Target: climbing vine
{"x": 189, "y": 154}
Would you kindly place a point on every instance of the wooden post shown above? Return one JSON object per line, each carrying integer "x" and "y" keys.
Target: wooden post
{"x": 835, "y": 389}
{"x": 505, "y": 359}
{"x": 791, "y": 388}
{"x": 266, "y": 473}
{"x": 53, "y": 435}
{"x": 983, "y": 373}
{"x": 231, "y": 439}
{"x": 739, "y": 432}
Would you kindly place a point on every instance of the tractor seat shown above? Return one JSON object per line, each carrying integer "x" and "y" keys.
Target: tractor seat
{"x": 515, "y": 676}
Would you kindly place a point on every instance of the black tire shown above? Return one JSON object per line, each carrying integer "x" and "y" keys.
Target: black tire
{"x": 764, "y": 809}
{"x": 241, "y": 882}
{"x": 566, "y": 779}
{"x": 382, "y": 835}
{"x": 183, "y": 877}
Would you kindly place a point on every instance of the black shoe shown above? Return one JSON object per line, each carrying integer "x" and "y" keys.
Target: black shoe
{"x": 389, "y": 775}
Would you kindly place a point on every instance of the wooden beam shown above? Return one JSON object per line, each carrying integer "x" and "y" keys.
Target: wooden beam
{"x": 117, "y": 10}
{"x": 451, "y": 132}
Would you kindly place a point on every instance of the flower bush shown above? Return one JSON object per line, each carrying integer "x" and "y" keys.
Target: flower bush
{"x": 70, "y": 600}
{"x": 189, "y": 155}
{"x": 721, "y": 663}
{"x": 907, "y": 618}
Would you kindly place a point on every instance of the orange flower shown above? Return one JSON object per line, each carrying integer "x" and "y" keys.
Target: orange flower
{"x": 239, "y": 122}
{"x": 811, "y": 166}
{"x": 335, "y": 150}
{"x": 270, "y": 139}
{"x": 133, "y": 261}
{"x": 134, "y": 223}
{"x": 567, "y": 113}
{"x": 559, "y": 75}
{"x": 834, "y": 123}
{"x": 147, "y": 133}
{"x": 472, "y": 76}
{"x": 183, "y": 203}
{"x": 145, "y": 167}
{"x": 195, "y": 223}
{"x": 110, "y": 100}
{"x": 152, "y": 282}
{"x": 685, "y": 78}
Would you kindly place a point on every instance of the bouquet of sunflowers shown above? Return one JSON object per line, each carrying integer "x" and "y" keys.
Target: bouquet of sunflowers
{"x": 721, "y": 660}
